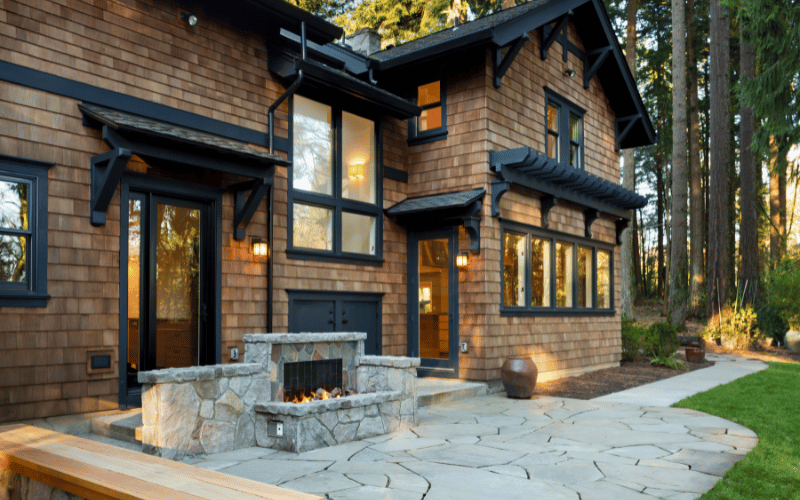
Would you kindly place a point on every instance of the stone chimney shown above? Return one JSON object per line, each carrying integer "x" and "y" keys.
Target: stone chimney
{"x": 366, "y": 41}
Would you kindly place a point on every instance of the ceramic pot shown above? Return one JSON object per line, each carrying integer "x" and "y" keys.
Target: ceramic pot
{"x": 793, "y": 340}
{"x": 519, "y": 376}
{"x": 695, "y": 354}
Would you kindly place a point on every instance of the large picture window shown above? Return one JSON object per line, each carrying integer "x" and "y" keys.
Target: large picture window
{"x": 580, "y": 269}
{"x": 335, "y": 190}
{"x": 23, "y": 232}
{"x": 564, "y": 139}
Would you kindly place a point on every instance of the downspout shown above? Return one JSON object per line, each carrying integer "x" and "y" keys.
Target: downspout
{"x": 271, "y": 113}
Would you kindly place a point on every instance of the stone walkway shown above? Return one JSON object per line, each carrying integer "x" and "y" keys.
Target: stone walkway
{"x": 491, "y": 447}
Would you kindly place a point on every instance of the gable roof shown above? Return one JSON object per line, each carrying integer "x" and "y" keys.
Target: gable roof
{"x": 507, "y": 26}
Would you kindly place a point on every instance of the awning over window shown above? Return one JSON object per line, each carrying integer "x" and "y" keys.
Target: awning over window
{"x": 442, "y": 210}
{"x": 160, "y": 142}
{"x": 556, "y": 181}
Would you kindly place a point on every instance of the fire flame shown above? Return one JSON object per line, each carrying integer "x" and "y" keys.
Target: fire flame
{"x": 303, "y": 398}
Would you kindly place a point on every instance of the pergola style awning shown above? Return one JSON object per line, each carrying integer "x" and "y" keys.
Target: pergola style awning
{"x": 441, "y": 210}
{"x": 156, "y": 141}
{"x": 529, "y": 168}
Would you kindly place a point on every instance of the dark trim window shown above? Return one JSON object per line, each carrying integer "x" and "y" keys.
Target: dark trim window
{"x": 546, "y": 272}
{"x": 564, "y": 140}
{"x": 335, "y": 186}
{"x": 23, "y": 232}
{"x": 431, "y": 124}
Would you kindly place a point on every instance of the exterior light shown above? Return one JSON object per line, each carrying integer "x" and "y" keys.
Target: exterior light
{"x": 569, "y": 72}
{"x": 259, "y": 248}
{"x": 462, "y": 260}
{"x": 189, "y": 19}
{"x": 356, "y": 171}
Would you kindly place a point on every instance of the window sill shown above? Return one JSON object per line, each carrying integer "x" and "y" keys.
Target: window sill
{"x": 427, "y": 137}
{"x": 528, "y": 312}
{"x": 365, "y": 260}
{"x": 21, "y": 299}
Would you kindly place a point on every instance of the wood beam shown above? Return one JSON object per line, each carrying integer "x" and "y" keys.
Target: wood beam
{"x": 106, "y": 173}
{"x": 502, "y": 63}
{"x": 499, "y": 188}
{"x": 548, "y": 40}
{"x": 621, "y": 134}
{"x": 589, "y": 216}
{"x": 590, "y": 71}
{"x": 246, "y": 206}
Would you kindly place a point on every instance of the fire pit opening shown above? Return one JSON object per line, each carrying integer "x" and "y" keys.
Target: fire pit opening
{"x": 306, "y": 381}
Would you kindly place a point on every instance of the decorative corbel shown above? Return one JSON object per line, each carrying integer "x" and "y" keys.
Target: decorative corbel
{"x": 548, "y": 40}
{"x": 245, "y": 206}
{"x": 499, "y": 188}
{"x": 502, "y": 63}
{"x": 590, "y": 71}
{"x": 106, "y": 172}
{"x": 473, "y": 227}
{"x": 621, "y": 225}
{"x": 547, "y": 202}
{"x": 620, "y": 134}
{"x": 589, "y": 216}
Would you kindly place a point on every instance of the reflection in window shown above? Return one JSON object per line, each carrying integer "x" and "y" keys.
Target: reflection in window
{"x": 429, "y": 98}
{"x": 514, "y": 269}
{"x": 552, "y": 130}
{"x": 563, "y": 274}
{"x": 603, "y": 279}
{"x": 313, "y": 146}
{"x": 312, "y": 227}
{"x": 584, "y": 277}
{"x": 14, "y": 231}
{"x": 358, "y": 156}
{"x": 540, "y": 272}
{"x": 575, "y": 139}
{"x": 358, "y": 233}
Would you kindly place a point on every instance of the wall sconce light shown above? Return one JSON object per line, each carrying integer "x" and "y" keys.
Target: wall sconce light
{"x": 189, "y": 19}
{"x": 259, "y": 248}
{"x": 462, "y": 259}
{"x": 569, "y": 72}
{"x": 356, "y": 171}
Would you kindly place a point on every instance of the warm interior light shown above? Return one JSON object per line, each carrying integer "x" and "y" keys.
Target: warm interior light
{"x": 356, "y": 171}
{"x": 260, "y": 248}
{"x": 462, "y": 260}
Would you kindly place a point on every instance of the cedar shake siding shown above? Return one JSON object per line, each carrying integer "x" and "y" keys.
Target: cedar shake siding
{"x": 139, "y": 57}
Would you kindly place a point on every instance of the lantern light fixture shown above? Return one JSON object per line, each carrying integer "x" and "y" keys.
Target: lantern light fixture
{"x": 462, "y": 259}
{"x": 189, "y": 19}
{"x": 259, "y": 247}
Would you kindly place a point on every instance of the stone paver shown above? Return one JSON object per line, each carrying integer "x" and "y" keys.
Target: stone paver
{"x": 492, "y": 447}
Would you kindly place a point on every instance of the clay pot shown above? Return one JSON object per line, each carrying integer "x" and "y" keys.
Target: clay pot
{"x": 695, "y": 354}
{"x": 519, "y": 376}
{"x": 793, "y": 340}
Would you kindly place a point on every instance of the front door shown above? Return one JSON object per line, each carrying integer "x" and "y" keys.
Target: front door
{"x": 433, "y": 302}
{"x": 169, "y": 300}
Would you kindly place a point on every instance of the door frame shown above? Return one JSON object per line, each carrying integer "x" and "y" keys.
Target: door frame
{"x": 178, "y": 190}
{"x": 430, "y": 367}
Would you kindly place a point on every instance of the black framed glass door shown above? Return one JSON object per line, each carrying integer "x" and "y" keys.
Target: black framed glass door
{"x": 433, "y": 302}
{"x": 169, "y": 298}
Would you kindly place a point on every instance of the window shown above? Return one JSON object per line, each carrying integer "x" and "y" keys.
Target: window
{"x": 431, "y": 125}
{"x": 581, "y": 271}
{"x": 564, "y": 141}
{"x": 23, "y": 232}
{"x": 334, "y": 193}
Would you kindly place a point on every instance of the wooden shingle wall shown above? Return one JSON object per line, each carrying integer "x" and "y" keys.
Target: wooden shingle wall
{"x": 142, "y": 49}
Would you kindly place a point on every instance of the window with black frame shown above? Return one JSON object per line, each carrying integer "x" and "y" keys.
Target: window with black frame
{"x": 431, "y": 124}
{"x": 23, "y": 232}
{"x": 335, "y": 187}
{"x": 564, "y": 139}
{"x": 544, "y": 272}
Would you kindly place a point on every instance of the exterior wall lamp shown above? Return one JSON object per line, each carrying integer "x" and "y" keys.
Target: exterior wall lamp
{"x": 189, "y": 19}
{"x": 259, "y": 247}
{"x": 569, "y": 72}
{"x": 462, "y": 259}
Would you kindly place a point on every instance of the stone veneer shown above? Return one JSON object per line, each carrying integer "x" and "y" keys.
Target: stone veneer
{"x": 389, "y": 405}
{"x": 213, "y": 409}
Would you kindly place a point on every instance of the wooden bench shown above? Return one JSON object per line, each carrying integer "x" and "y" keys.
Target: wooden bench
{"x": 95, "y": 470}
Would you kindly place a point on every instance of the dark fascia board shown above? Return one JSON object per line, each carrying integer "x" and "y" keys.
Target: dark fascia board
{"x": 390, "y": 103}
{"x": 480, "y": 37}
{"x": 289, "y": 16}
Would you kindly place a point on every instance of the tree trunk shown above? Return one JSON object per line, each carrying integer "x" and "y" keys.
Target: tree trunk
{"x": 637, "y": 260}
{"x": 660, "y": 216}
{"x": 719, "y": 152}
{"x": 777, "y": 204}
{"x": 678, "y": 269}
{"x": 748, "y": 233}
{"x": 628, "y": 179}
{"x": 696, "y": 204}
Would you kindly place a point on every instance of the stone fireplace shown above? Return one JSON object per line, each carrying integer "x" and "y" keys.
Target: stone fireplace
{"x": 212, "y": 409}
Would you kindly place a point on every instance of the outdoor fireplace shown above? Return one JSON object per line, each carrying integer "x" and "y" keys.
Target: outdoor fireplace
{"x": 304, "y": 381}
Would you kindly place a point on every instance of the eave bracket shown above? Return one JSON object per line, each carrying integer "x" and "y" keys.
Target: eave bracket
{"x": 621, "y": 225}
{"x": 547, "y": 202}
{"x": 107, "y": 169}
{"x": 502, "y": 63}
{"x": 589, "y": 71}
{"x": 589, "y": 216}
{"x": 548, "y": 40}
{"x": 245, "y": 206}
{"x": 499, "y": 188}
{"x": 622, "y": 127}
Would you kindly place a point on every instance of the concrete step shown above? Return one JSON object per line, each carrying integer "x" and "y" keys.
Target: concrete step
{"x": 124, "y": 426}
{"x": 431, "y": 390}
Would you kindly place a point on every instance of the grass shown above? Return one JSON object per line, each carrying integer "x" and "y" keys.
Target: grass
{"x": 768, "y": 402}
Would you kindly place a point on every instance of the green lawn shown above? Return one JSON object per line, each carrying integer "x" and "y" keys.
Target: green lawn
{"x": 768, "y": 402}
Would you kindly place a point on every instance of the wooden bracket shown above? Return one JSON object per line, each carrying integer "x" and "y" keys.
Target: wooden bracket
{"x": 590, "y": 71}
{"x": 473, "y": 227}
{"x": 547, "y": 202}
{"x": 499, "y": 188}
{"x": 246, "y": 206}
{"x": 106, "y": 173}
{"x": 621, "y": 134}
{"x": 621, "y": 225}
{"x": 589, "y": 216}
{"x": 502, "y": 63}
{"x": 548, "y": 40}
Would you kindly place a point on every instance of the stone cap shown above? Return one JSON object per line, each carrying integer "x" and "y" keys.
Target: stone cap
{"x": 303, "y": 338}
{"x": 190, "y": 374}
{"x": 390, "y": 361}
{"x": 344, "y": 403}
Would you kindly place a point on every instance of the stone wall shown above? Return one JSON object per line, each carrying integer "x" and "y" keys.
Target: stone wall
{"x": 15, "y": 486}
{"x": 209, "y": 409}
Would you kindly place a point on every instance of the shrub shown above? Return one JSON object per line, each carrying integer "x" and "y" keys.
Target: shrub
{"x": 660, "y": 340}
{"x": 632, "y": 336}
{"x": 770, "y": 322}
{"x": 783, "y": 291}
{"x": 736, "y": 330}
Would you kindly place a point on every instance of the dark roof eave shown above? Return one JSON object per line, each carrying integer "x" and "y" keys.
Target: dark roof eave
{"x": 479, "y": 37}
{"x": 392, "y": 104}
{"x": 317, "y": 29}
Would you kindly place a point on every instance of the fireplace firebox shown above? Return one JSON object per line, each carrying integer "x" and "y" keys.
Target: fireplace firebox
{"x": 302, "y": 379}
